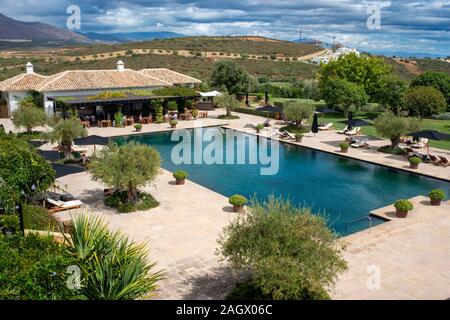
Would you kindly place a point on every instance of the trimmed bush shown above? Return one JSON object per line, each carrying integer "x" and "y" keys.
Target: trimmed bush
{"x": 237, "y": 200}
{"x": 119, "y": 201}
{"x": 437, "y": 194}
{"x": 344, "y": 145}
{"x": 180, "y": 174}
{"x": 403, "y": 205}
{"x": 138, "y": 126}
{"x": 173, "y": 122}
{"x": 415, "y": 160}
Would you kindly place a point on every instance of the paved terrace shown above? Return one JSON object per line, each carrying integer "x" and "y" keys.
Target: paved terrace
{"x": 413, "y": 254}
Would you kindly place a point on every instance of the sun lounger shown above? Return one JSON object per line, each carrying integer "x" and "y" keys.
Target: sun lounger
{"x": 353, "y": 132}
{"x": 421, "y": 144}
{"x": 328, "y": 126}
{"x": 289, "y": 136}
{"x": 279, "y": 133}
{"x": 343, "y": 130}
{"x": 434, "y": 159}
{"x": 443, "y": 161}
{"x": 360, "y": 144}
{"x": 58, "y": 205}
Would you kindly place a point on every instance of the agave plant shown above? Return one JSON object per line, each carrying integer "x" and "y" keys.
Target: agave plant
{"x": 114, "y": 268}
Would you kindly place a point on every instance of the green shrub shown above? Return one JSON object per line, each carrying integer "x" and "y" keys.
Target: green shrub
{"x": 119, "y": 201}
{"x": 114, "y": 267}
{"x": 237, "y": 200}
{"x": 194, "y": 113}
{"x": 173, "y": 122}
{"x": 34, "y": 268}
{"x": 298, "y": 135}
{"x": 29, "y": 116}
{"x": 23, "y": 172}
{"x": 415, "y": 160}
{"x": 138, "y": 126}
{"x": 437, "y": 194}
{"x": 172, "y": 105}
{"x": 180, "y": 174}
{"x": 118, "y": 119}
{"x": 295, "y": 129}
{"x": 403, "y": 205}
{"x": 259, "y": 126}
{"x": 38, "y": 218}
{"x": 226, "y": 117}
{"x": 9, "y": 222}
{"x": 289, "y": 253}
{"x": 344, "y": 145}
{"x": 390, "y": 150}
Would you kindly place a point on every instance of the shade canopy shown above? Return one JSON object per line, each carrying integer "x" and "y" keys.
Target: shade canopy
{"x": 430, "y": 134}
{"x": 90, "y": 140}
{"x": 326, "y": 110}
{"x": 315, "y": 124}
{"x": 271, "y": 109}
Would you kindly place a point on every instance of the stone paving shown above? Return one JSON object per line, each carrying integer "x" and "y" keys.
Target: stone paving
{"x": 413, "y": 254}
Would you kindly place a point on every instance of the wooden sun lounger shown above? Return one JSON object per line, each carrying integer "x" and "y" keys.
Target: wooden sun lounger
{"x": 443, "y": 161}
{"x": 328, "y": 126}
{"x": 58, "y": 205}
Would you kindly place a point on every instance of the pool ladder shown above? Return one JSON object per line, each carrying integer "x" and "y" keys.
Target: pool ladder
{"x": 360, "y": 219}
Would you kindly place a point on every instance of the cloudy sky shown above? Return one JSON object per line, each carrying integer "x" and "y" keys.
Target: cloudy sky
{"x": 406, "y": 26}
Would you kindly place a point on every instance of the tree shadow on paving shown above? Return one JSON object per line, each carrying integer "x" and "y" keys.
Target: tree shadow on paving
{"x": 93, "y": 197}
{"x": 214, "y": 285}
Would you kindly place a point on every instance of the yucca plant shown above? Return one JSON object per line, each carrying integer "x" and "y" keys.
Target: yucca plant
{"x": 114, "y": 268}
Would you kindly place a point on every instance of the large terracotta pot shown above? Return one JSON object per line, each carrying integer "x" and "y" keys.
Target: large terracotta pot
{"x": 179, "y": 181}
{"x": 435, "y": 202}
{"x": 401, "y": 213}
{"x": 237, "y": 208}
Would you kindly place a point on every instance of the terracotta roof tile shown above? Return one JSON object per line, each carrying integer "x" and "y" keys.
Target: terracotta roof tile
{"x": 169, "y": 76}
{"x": 74, "y": 80}
{"x": 22, "y": 82}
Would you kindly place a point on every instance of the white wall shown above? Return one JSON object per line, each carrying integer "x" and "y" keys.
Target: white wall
{"x": 13, "y": 99}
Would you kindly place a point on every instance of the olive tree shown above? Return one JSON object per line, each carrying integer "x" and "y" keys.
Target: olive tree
{"x": 28, "y": 116}
{"x": 65, "y": 131}
{"x": 230, "y": 75}
{"x": 393, "y": 127}
{"x": 298, "y": 111}
{"x": 126, "y": 167}
{"x": 227, "y": 101}
{"x": 289, "y": 252}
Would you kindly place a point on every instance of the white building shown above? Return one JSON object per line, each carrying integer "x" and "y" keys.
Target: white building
{"x": 77, "y": 83}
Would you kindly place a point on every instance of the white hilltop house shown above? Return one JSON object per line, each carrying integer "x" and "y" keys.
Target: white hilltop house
{"x": 333, "y": 55}
{"x": 73, "y": 84}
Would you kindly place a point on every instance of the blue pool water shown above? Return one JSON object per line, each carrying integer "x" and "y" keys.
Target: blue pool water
{"x": 342, "y": 189}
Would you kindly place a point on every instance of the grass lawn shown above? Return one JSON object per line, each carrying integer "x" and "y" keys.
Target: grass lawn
{"x": 432, "y": 124}
{"x": 439, "y": 125}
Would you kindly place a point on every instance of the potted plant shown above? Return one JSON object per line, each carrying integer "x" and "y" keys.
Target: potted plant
{"x": 173, "y": 123}
{"x": 414, "y": 162}
{"x": 436, "y": 197}
{"x": 402, "y": 207}
{"x": 138, "y": 127}
{"x": 298, "y": 137}
{"x": 259, "y": 127}
{"x": 344, "y": 146}
{"x": 238, "y": 201}
{"x": 180, "y": 176}
{"x": 194, "y": 113}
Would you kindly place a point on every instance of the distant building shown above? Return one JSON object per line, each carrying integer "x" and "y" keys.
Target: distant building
{"x": 333, "y": 55}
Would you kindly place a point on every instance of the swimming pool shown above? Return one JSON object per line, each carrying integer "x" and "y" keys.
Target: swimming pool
{"x": 343, "y": 189}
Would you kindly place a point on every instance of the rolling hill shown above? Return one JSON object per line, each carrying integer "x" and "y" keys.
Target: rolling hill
{"x": 15, "y": 31}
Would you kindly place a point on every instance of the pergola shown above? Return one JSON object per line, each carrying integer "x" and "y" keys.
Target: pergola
{"x": 111, "y": 105}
